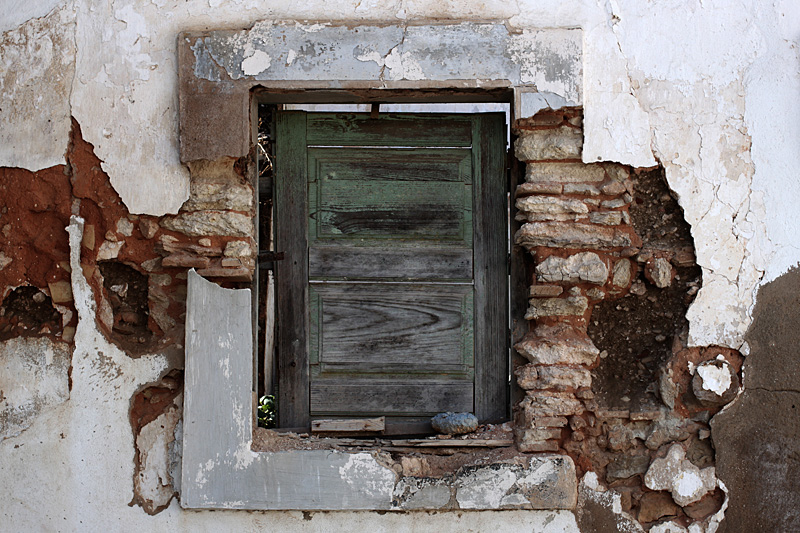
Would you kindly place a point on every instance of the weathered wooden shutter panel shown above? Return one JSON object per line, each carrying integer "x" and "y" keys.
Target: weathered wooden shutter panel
{"x": 393, "y": 292}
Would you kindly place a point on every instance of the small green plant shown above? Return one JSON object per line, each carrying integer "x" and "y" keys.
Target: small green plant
{"x": 267, "y": 411}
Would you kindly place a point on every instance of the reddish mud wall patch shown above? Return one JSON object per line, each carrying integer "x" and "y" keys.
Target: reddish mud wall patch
{"x": 34, "y": 252}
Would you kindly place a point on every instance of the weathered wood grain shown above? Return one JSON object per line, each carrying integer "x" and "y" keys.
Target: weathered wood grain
{"x": 404, "y": 327}
{"x": 491, "y": 269}
{"x": 417, "y": 397}
{"x": 358, "y": 129}
{"x": 454, "y": 443}
{"x": 354, "y": 425}
{"x": 291, "y": 274}
{"x": 389, "y": 209}
{"x": 391, "y": 164}
{"x": 399, "y": 263}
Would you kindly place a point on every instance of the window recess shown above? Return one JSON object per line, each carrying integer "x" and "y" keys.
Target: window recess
{"x": 391, "y": 295}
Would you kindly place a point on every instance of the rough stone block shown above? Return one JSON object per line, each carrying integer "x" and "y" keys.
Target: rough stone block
{"x": 125, "y": 227}
{"x": 617, "y": 202}
{"x": 549, "y": 351}
{"x": 60, "y": 292}
{"x": 545, "y": 217}
{"x": 201, "y": 223}
{"x": 625, "y": 466}
{"x": 584, "y": 266}
{"x": 532, "y": 377}
{"x": 617, "y": 172}
{"x": 613, "y": 188}
{"x": 551, "y": 205}
{"x": 169, "y": 247}
{"x": 564, "y": 235}
{"x": 621, "y": 273}
{"x": 185, "y": 261}
{"x": 537, "y": 435}
{"x": 556, "y": 143}
{"x": 545, "y": 291}
{"x": 675, "y": 473}
{"x": 659, "y": 271}
{"x": 655, "y": 505}
{"x": 553, "y": 404}
{"x": 607, "y": 218}
{"x": 232, "y": 274}
{"x": 572, "y": 305}
{"x": 539, "y": 188}
{"x": 230, "y": 262}
{"x": 222, "y": 196}
{"x": 148, "y": 228}
{"x": 547, "y": 422}
{"x": 109, "y": 250}
{"x": 564, "y": 173}
{"x": 537, "y": 447}
{"x": 238, "y": 249}
{"x": 581, "y": 188}
{"x": 454, "y": 423}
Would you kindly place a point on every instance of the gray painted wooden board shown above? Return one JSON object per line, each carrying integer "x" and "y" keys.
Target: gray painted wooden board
{"x": 356, "y": 425}
{"x": 219, "y": 470}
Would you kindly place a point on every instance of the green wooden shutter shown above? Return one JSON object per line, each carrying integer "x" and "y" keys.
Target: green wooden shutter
{"x": 392, "y": 295}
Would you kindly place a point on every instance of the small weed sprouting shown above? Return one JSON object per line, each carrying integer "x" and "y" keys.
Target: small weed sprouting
{"x": 267, "y": 411}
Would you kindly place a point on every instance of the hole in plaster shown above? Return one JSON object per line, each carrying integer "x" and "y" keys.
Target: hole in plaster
{"x": 26, "y": 311}
{"x": 637, "y": 331}
{"x": 126, "y": 290}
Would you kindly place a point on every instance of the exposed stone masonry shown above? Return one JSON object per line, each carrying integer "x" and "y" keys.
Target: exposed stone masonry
{"x": 591, "y": 246}
{"x": 220, "y": 214}
{"x": 577, "y": 227}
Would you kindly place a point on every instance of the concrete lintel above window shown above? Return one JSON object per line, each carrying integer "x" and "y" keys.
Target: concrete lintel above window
{"x": 220, "y": 471}
{"x": 219, "y": 68}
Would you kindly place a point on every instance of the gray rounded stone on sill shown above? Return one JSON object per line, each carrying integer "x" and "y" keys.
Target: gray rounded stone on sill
{"x": 454, "y": 423}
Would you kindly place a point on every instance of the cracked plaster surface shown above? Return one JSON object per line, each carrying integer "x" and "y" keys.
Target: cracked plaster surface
{"x": 697, "y": 87}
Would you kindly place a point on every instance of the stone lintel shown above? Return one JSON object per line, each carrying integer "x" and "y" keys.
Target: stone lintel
{"x": 218, "y": 69}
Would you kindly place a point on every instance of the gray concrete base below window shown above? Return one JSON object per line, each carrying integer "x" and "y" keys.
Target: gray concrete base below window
{"x": 220, "y": 471}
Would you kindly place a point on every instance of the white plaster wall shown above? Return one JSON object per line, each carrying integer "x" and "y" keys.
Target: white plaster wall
{"x": 694, "y": 85}
{"x": 710, "y": 89}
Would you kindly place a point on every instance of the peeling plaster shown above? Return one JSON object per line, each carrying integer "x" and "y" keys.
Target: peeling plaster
{"x": 37, "y": 66}
{"x": 715, "y": 379}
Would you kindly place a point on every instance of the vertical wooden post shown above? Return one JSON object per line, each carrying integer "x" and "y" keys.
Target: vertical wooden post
{"x": 491, "y": 269}
{"x": 291, "y": 274}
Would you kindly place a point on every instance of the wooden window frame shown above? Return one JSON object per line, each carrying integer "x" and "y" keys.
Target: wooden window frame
{"x": 490, "y": 267}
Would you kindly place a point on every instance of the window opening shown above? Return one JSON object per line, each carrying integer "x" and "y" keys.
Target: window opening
{"x": 352, "y": 300}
